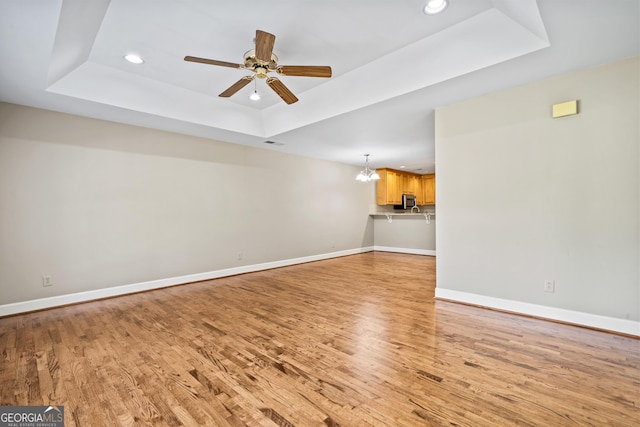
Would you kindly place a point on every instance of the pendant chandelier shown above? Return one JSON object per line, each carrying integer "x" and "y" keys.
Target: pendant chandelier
{"x": 367, "y": 174}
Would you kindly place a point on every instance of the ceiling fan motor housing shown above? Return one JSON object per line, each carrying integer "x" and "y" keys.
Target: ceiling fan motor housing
{"x": 261, "y": 68}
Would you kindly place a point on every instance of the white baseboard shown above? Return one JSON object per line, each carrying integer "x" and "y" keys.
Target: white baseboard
{"x": 60, "y": 300}
{"x": 405, "y": 250}
{"x": 624, "y": 326}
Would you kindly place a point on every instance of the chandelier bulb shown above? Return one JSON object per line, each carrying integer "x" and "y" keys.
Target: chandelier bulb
{"x": 367, "y": 174}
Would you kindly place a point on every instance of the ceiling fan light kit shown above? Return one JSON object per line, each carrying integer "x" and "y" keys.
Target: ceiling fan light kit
{"x": 255, "y": 96}
{"x": 263, "y": 61}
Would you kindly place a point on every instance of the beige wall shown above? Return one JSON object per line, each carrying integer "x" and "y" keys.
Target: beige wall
{"x": 97, "y": 204}
{"x": 523, "y": 198}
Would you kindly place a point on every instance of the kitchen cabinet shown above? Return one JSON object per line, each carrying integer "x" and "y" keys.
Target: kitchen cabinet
{"x": 388, "y": 187}
{"x": 393, "y": 184}
{"x": 428, "y": 189}
{"x": 410, "y": 184}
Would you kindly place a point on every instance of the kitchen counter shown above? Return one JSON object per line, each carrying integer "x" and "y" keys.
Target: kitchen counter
{"x": 402, "y": 213}
{"x": 428, "y": 215}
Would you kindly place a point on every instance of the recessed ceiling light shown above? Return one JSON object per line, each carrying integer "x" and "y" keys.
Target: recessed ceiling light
{"x": 134, "y": 59}
{"x": 435, "y": 6}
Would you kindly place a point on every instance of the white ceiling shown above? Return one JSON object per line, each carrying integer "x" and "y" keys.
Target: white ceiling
{"x": 392, "y": 64}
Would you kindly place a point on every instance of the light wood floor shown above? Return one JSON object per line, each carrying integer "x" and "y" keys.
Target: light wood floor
{"x": 353, "y": 341}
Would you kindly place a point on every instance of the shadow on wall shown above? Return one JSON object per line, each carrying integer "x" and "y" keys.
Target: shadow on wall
{"x": 17, "y": 122}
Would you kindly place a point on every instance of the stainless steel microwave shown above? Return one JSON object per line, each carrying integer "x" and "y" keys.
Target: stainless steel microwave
{"x": 408, "y": 201}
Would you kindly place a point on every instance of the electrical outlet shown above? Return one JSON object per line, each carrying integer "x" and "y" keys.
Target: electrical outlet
{"x": 239, "y": 256}
{"x": 549, "y": 286}
{"x": 47, "y": 281}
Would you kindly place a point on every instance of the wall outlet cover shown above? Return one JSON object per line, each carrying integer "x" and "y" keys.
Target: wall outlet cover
{"x": 549, "y": 286}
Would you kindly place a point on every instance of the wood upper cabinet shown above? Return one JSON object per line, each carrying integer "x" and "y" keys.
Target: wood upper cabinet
{"x": 388, "y": 187}
{"x": 393, "y": 184}
{"x": 410, "y": 184}
{"x": 428, "y": 192}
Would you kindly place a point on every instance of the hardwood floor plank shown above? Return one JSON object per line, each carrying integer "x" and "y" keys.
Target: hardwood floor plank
{"x": 352, "y": 341}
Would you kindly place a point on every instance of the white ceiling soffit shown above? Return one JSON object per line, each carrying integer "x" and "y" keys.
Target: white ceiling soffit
{"x": 86, "y": 60}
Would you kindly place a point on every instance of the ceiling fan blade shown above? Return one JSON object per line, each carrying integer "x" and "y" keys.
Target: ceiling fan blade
{"x": 304, "y": 70}
{"x": 282, "y": 91}
{"x": 212, "y": 62}
{"x": 264, "y": 45}
{"x": 236, "y": 86}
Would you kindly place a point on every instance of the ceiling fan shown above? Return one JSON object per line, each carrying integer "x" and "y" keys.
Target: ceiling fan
{"x": 262, "y": 61}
